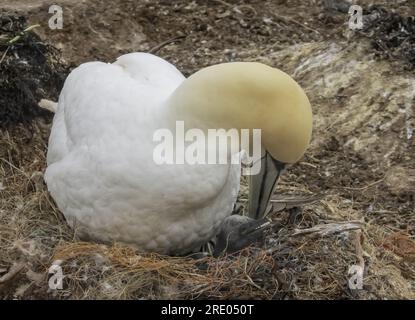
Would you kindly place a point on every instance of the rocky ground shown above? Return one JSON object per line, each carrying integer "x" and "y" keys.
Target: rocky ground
{"x": 361, "y": 162}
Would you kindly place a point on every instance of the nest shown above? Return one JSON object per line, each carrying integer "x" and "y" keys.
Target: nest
{"x": 306, "y": 256}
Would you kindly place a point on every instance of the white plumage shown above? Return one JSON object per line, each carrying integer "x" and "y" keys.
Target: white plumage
{"x": 101, "y": 171}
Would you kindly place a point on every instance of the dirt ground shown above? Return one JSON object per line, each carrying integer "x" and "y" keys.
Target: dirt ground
{"x": 361, "y": 162}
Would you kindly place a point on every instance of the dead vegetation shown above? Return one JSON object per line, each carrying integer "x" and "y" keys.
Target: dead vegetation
{"x": 307, "y": 256}
{"x": 361, "y": 162}
{"x": 391, "y": 34}
{"x": 30, "y": 69}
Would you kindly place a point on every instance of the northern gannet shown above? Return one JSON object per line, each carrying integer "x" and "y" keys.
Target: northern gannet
{"x": 100, "y": 166}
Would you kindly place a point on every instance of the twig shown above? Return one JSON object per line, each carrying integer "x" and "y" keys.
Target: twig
{"x": 281, "y": 202}
{"x": 13, "y": 271}
{"x": 16, "y": 38}
{"x": 237, "y": 9}
{"x": 16, "y": 168}
{"x": 165, "y": 43}
{"x": 224, "y": 3}
{"x": 365, "y": 187}
{"x": 303, "y": 163}
{"x": 4, "y": 55}
{"x": 323, "y": 230}
{"x": 359, "y": 250}
{"x": 286, "y": 19}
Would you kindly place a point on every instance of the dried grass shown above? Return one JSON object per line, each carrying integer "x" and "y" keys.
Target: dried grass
{"x": 34, "y": 233}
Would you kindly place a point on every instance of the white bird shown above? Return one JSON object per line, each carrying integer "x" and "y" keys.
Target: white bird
{"x": 101, "y": 170}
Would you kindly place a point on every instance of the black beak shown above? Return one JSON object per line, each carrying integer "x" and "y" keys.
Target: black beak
{"x": 262, "y": 185}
